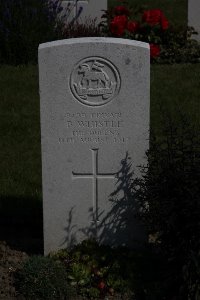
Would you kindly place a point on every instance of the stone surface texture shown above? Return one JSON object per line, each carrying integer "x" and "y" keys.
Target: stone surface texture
{"x": 194, "y": 17}
{"x": 95, "y": 95}
{"x": 86, "y": 9}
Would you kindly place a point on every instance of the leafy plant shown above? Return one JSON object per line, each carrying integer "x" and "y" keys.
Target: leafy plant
{"x": 93, "y": 269}
{"x": 170, "y": 196}
{"x": 178, "y": 47}
{"x": 167, "y": 44}
{"x": 43, "y": 278}
{"x": 79, "y": 275}
{"x": 24, "y": 24}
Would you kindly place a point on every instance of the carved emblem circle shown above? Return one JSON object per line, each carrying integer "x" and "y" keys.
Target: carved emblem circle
{"x": 95, "y": 81}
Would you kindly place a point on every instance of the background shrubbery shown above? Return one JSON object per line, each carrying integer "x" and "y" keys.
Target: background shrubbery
{"x": 168, "y": 43}
{"x": 24, "y": 24}
{"x": 170, "y": 197}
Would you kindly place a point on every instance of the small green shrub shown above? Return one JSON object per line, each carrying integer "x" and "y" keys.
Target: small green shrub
{"x": 96, "y": 270}
{"x": 43, "y": 278}
{"x": 179, "y": 47}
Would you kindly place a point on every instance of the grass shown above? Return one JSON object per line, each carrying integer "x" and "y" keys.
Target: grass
{"x": 20, "y": 132}
{"x": 176, "y": 89}
{"x": 20, "y": 164}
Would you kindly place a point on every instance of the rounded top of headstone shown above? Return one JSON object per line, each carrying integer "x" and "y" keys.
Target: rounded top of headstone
{"x": 94, "y": 40}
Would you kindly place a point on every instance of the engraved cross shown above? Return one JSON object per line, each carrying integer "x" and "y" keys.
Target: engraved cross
{"x": 95, "y": 175}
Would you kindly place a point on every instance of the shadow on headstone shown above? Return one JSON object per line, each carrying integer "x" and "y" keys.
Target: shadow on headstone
{"x": 21, "y": 224}
{"x": 120, "y": 226}
{"x": 70, "y": 235}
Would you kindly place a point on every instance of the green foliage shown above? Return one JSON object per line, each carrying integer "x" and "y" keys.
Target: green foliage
{"x": 88, "y": 29}
{"x": 191, "y": 275}
{"x": 95, "y": 270}
{"x": 43, "y": 278}
{"x": 170, "y": 196}
{"x": 24, "y": 24}
{"x": 101, "y": 271}
{"x": 168, "y": 43}
{"x": 179, "y": 47}
{"x": 92, "y": 292}
{"x": 80, "y": 274}
{"x": 176, "y": 13}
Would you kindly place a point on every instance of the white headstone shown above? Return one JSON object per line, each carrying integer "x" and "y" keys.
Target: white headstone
{"x": 84, "y": 9}
{"x": 194, "y": 17}
{"x": 94, "y": 114}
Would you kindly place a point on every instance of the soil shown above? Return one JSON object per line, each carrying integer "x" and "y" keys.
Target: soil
{"x": 10, "y": 260}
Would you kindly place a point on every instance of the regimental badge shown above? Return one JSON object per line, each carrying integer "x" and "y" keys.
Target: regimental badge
{"x": 95, "y": 81}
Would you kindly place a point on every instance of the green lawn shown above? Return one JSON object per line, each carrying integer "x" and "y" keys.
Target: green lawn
{"x": 20, "y": 132}
{"x": 20, "y": 164}
{"x": 176, "y": 89}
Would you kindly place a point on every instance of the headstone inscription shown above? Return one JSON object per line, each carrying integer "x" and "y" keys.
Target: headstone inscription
{"x": 82, "y": 10}
{"x": 193, "y": 17}
{"x": 94, "y": 115}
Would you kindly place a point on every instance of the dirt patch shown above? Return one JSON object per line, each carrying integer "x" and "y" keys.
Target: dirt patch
{"x": 10, "y": 260}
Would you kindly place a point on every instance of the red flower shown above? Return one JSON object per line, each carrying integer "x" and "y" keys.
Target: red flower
{"x": 164, "y": 23}
{"x": 154, "y": 50}
{"x": 121, "y": 10}
{"x": 101, "y": 285}
{"x": 118, "y": 25}
{"x": 152, "y": 17}
{"x": 132, "y": 26}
